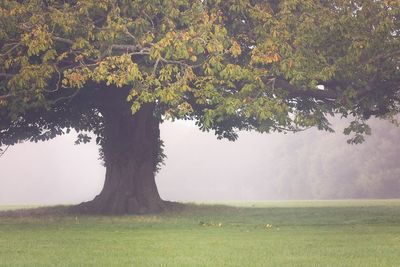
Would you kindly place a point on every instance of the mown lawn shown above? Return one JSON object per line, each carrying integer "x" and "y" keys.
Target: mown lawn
{"x": 305, "y": 233}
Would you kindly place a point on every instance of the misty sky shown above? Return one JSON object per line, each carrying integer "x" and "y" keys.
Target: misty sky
{"x": 198, "y": 168}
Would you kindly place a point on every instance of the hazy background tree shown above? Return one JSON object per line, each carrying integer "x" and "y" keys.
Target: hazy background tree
{"x": 319, "y": 166}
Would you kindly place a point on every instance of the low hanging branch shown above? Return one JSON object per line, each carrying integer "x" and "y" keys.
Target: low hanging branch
{"x": 3, "y": 151}
{"x": 325, "y": 94}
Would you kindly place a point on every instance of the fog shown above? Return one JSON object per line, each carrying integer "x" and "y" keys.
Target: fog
{"x": 305, "y": 165}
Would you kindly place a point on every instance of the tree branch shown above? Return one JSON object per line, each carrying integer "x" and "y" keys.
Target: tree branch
{"x": 130, "y": 48}
{"x": 326, "y": 94}
{"x": 2, "y": 152}
{"x": 385, "y": 56}
{"x": 118, "y": 47}
{"x": 10, "y": 50}
{"x": 2, "y": 97}
{"x": 63, "y": 40}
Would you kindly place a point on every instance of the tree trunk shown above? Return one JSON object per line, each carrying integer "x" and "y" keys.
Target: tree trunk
{"x": 130, "y": 146}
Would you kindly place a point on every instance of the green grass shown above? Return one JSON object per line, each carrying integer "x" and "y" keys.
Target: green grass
{"x": 304, "y": 233}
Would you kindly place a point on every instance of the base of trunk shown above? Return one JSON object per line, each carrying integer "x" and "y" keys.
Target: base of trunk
{"x": 97, "y": 206}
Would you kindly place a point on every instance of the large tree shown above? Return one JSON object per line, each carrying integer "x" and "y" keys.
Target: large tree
{"x": 118, "y": 68}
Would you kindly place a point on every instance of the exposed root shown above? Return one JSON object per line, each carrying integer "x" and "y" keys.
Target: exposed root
{"x": 97, "y": 206}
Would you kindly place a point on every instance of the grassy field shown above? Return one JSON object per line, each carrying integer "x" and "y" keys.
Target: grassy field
{"x": 305, "y": 233}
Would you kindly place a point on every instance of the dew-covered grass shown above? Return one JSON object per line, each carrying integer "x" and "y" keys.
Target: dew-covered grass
{"x": 288, "y": 233}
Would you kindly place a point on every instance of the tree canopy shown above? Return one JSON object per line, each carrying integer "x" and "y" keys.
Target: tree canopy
{"x": 263, "y": 65}
{"x": 229, "y": 65}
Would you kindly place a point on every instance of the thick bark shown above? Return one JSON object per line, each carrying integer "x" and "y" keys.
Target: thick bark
{"x": 130, "y": 146}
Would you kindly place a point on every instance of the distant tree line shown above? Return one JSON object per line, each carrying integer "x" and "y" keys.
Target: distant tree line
{"x": 329, "y": 169}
